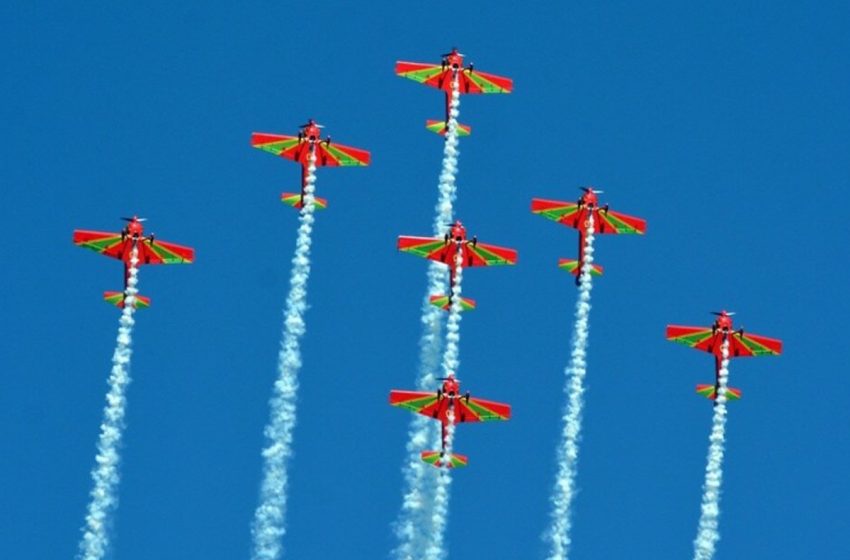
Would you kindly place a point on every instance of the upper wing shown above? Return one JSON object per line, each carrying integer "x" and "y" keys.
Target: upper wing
{"x": 105, "y": 243}
{"x": 473, "y": 81}
{"x": 615, "y": 222}
{"x": 416, "y": 401}
{"x": 482, "y": 254}
{"x": 331, "y": 154}
{"x": 479, "y": 410}
{"x": 754, "y": 345}
{"x": 566, "y": 213}
{"x": 433, "y": 248}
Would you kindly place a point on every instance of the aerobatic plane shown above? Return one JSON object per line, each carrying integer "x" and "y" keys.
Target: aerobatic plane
{"x": 437, "y": 405}
{"x": 575, "y": 215}
{"x": 119, "y": 246}
{"x": 445, "y": 249}
{"x": 441, "y": 77}
{"x": 298, "y": 148}
{"x": 710, "y": 339}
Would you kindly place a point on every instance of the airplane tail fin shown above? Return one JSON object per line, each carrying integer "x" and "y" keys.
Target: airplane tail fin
{"x": 440, "y": 127}
{"x": 294, "y": 200}
{"x": 574, "y": 267}
{"x": 710, "y": 392}
{"x": 435, "y": 458}
{"x": 117, "y": 299}
{"x": 445, "y": 302}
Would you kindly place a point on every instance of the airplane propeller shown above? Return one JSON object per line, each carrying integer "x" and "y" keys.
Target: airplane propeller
{"x": 134, "y": 219}
{"x": 720, "y": 313}
{"x": 590, "y": 189}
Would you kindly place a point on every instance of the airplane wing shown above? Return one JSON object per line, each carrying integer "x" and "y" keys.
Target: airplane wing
{"x": 615, "y": 222}
{"x": 427, "y": 404}
{"x": 702, "y": 338}
{"x": 429, "y": 74}
{"x": 483, "y": 254}
{"x": 111, "y": 245}
{"x": 332, "y": 154}
{"x": 440, "y": 77}
{"x": 436, "y": 249}
{"x": 416, "y": 401}
{"x": 278, "y": 144}
{"x": 754, "y": 345}
{"x": 563, "y": 212}
{"x": 473, "y": 81}
{"x": 479, "y": 410}
{"x": 570, "y": 215}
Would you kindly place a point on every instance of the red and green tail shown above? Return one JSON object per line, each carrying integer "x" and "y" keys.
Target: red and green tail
{"x": 440, "y": 127}
{"x": 574, "y": 267}
{"x": 294, "y": 200}
{"x": 435, "y": 458}
{"x": 710, "y": 392}
{"x": 117, "y": 299}
{"x": 445, "y": 302}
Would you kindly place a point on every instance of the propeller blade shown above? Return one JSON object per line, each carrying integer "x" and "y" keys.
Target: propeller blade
{"x": 134, "y": 219}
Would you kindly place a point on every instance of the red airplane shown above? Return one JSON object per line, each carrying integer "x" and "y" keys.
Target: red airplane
{"x": 120, "y": 245}
{"x": 710, "y": 339}
{"x": 437, "y": 406}
{"x": 298, "y": 148}
{"x": 575, "y": 215}
{"x": 441, "y": 77}
{"x": 445, "y": 249}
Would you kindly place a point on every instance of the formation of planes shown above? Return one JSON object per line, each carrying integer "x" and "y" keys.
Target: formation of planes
{"x": 446, "y": 404}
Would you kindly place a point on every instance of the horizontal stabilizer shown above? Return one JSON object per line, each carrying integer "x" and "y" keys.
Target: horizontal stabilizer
{"x": 445, "y": 302}
{"x": 435, "y": 458}
{"x": 294, "y": 200}
{"x": 709, "y": 392}
{"x": 117, "y": 299}
{"x": 574, "y": 267}
{"x": 440, "y": 127}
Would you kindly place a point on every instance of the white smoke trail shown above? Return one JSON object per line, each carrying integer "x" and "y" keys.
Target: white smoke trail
{"x": 440, "y": 513}
{"x": 708, "y": 534}
{"x": 269, "y": 518}
{"x": 104, "y": 500}
{"x": 412, "y": 525}
{"x": 562, "y": 497}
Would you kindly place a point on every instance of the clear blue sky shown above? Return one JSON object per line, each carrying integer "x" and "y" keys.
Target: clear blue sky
{"x": 726, "y": 127}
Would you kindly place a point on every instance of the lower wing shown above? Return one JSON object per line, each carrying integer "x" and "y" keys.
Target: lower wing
{"x": 754, "y": 345}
